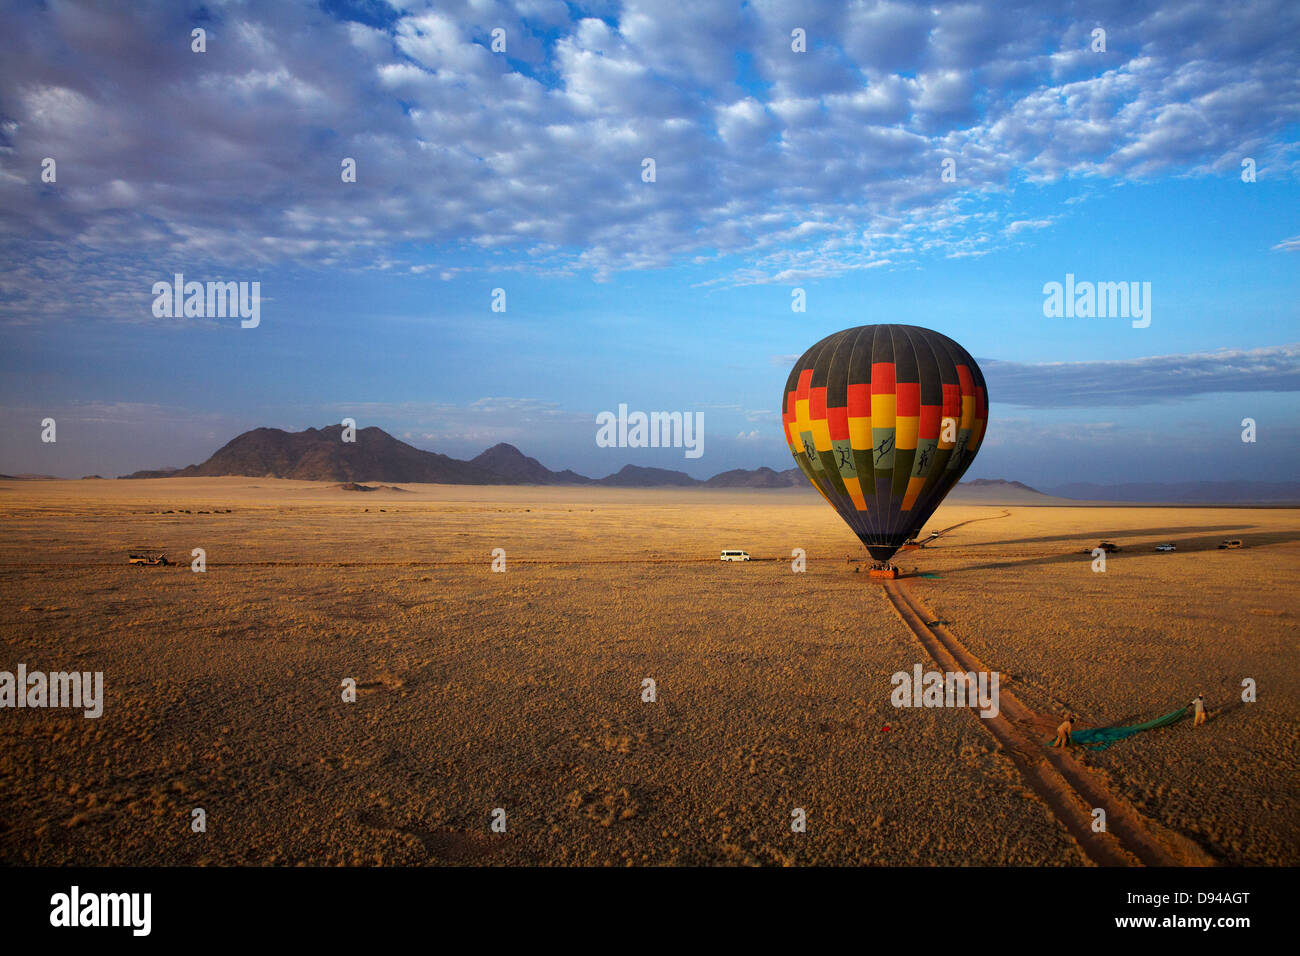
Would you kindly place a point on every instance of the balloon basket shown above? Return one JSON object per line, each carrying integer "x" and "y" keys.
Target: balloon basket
{"x": 885, "y": 571}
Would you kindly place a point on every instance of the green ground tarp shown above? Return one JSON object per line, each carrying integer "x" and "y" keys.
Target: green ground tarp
{"x": 1099, "y": 738}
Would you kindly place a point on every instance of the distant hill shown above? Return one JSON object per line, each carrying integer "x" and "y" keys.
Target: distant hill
{"x": 1000, "y": 484}
{"x": 999, "y": 491}
{"x": 509, "y": 462}
{"x": 320, "y": 454}
{"x": 758, "y": 478}
{"x": 153, "y": 473}
{"x": 28, "y": 478}
{"x": 1185, "y": 492}
{"x": 636, "y": 476}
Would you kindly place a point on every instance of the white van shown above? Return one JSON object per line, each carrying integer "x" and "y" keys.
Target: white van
{"x": 735, "y": 555}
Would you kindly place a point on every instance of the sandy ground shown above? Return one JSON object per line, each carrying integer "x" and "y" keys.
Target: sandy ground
{"x": 522, "y": 690}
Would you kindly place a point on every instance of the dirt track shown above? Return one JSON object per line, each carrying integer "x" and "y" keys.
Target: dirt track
{"x": 1068, "y": 789}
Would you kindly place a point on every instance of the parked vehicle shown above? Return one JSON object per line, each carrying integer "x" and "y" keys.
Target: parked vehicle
{"x": 1110, "y": 547}
{"x": 1165, "y": 547}
{"x": 147, "y": 557}
{"x": 1230, "y": 544}
{"x": 735, "y": 555}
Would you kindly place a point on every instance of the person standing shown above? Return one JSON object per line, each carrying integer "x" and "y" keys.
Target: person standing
{"x": 1063, "y": 733}
{"x": 1198, "y": 708}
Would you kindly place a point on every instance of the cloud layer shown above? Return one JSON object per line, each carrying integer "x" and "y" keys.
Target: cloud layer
{"x": 1143, "y": 381}
{"x": 797, "y": 164}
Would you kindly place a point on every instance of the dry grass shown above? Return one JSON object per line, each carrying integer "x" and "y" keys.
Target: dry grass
{"x": 522, "y": 690}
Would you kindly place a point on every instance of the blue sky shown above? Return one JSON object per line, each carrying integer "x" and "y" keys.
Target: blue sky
{"x": 775, "y": 170}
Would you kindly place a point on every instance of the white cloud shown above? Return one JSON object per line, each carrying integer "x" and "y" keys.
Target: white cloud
{"x": 786, "y": 161}
{"x": 1022, "y": 224}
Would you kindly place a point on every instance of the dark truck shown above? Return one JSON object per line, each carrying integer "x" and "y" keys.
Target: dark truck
{"x": 147, "y": 557}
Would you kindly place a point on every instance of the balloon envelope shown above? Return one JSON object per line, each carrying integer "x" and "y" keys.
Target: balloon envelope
{"x": 884, "y": 420}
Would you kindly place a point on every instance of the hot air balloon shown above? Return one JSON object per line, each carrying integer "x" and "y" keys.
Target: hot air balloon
{"x": 884, "y": 420}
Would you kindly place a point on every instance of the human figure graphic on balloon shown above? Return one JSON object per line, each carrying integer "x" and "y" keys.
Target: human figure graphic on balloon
{"x": 883, "y": 449}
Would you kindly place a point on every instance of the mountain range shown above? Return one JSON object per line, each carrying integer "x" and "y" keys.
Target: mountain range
{"x": 320, "y": 454}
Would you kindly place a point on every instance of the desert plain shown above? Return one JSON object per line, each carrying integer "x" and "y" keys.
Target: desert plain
{"x": 523, "y": 690}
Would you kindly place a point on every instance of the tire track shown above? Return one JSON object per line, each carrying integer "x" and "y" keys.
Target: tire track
{"x": 942, "y": 531}
{"x": 1069, "y": 789}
